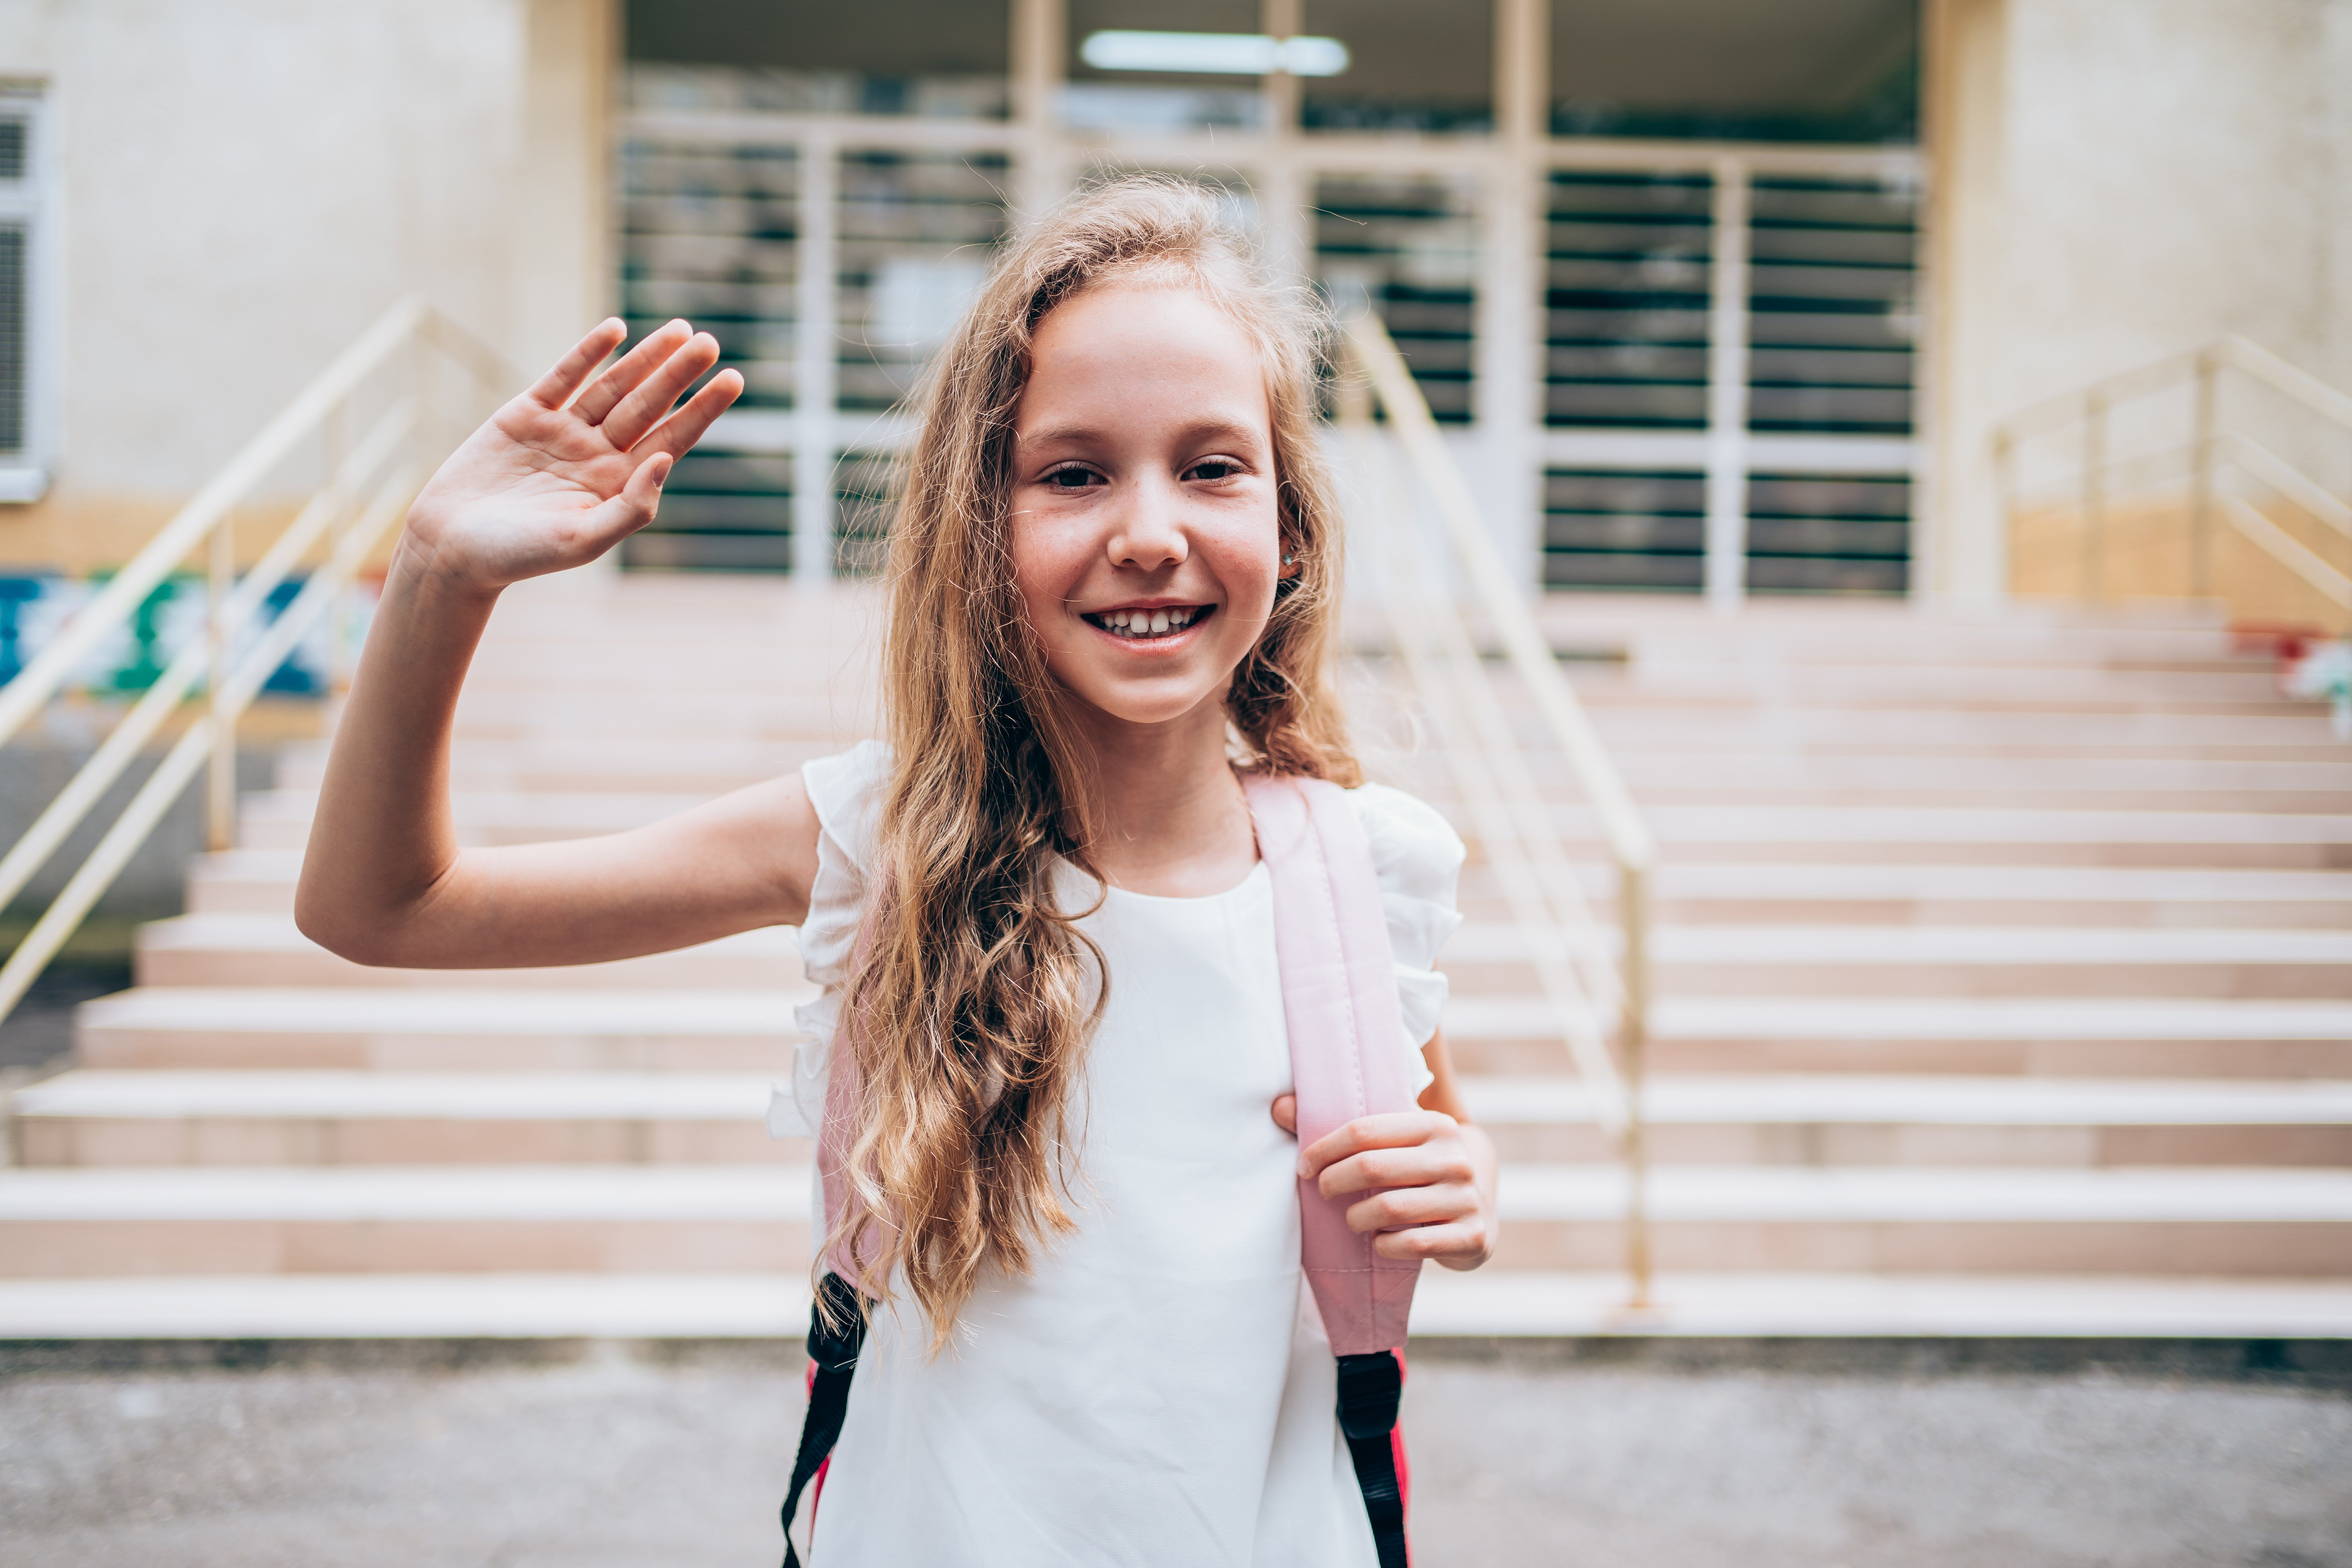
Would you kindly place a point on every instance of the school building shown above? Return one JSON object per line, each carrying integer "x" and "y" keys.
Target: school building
{"x": 1930, "y": 421}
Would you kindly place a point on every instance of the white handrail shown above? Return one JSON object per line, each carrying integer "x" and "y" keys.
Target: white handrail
{"x": 385, "y": 466}
{"x": 2210, "y": 453}
{"x": 1514, "y": 824}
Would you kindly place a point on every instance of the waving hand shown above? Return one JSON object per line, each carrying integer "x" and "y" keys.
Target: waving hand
{"x": 554, "y": 481}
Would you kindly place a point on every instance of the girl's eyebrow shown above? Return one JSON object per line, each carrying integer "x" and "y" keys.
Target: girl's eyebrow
{"x": 1239, "y": 432}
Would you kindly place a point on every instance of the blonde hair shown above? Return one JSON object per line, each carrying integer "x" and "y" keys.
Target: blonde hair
{"x": 975, "y": 993}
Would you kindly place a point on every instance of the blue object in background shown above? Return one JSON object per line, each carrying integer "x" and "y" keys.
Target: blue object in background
{"x": 293, "y": 678}
{"x": 16, "y": 593}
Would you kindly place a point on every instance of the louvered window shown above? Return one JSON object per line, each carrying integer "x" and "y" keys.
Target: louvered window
{"x": 22, "y": 423}
{"x": 1407, "y": 246}
{"x": 711, "y": 231}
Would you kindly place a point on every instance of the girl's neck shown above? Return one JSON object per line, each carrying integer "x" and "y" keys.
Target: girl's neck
{"x": 1173, "y": 820}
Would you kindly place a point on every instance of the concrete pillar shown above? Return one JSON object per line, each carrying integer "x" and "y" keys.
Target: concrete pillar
{"x": 564, "y": 230}
{"x": 1962, "y": 554}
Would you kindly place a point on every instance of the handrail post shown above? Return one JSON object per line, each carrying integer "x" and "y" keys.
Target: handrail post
{"x": 2200, "y": 505}
{"x": 220, "y": 773}
{"x": 2094, "y": 494}
{"x": 2004, "y": 479}
{"x": 1633, "y": 916}
{"x": 335, "y": 436}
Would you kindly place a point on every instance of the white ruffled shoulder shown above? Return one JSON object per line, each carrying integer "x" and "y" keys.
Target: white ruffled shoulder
{"x": 1418, "y": 857}
{"x": 846, "y": 791}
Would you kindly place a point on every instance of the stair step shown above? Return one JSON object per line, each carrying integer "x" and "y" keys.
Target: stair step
{"x": 254, "y": 949}
{"x": 424, "y": 1028}
{"x": 1695, "y": 961}
{"x": 58, "y": 1223}
{"x": 2041, "y": 1037}
{"x": 98, "y": 1118}
{"x": 1914, "y": 1219}
{"x": 1824, "y": 1119}
{"x": 1526, "y": 1302}
{"x": 95, "y": 1117}
{"x": 403, "y": 1219}
{"x": 1776, "y": 1305}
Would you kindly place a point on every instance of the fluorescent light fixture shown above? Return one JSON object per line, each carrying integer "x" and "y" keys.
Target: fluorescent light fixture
{"x": 1213, "y": 53}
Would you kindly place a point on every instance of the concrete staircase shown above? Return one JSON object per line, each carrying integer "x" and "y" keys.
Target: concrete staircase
{"x": 2005, "y": 973}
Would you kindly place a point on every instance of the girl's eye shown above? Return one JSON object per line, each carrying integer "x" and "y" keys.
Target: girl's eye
{"x": 1071, "y": 478}
{"x": 1213, "y": 469}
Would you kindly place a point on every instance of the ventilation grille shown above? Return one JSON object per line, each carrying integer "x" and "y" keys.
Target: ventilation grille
{"x": 862, "y": 499}
{"x": 1410, "y": 248}
{"x": 1828, "y": 534}
{"x": 1832, "y": 312}
{"x": 711, "y": 233}
{"x": 1626, "y": 300}
{"x": 12, "y": 339}
{"x": 918, "y": 232}
{"x": 1608, "y": 529}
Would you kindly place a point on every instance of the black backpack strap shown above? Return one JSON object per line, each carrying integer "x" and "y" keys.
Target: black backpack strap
{"x": 1369, "y": 1386}
{"x": 834, "y": 1351}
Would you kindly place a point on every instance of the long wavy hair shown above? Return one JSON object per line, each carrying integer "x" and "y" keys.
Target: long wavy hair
{"x": 975, "y": 992}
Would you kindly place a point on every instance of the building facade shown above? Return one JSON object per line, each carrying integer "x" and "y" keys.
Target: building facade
{"x": 1712, "y": 298}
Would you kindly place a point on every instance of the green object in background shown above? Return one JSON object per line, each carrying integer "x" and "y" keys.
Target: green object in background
{"x": 146, "y": 633}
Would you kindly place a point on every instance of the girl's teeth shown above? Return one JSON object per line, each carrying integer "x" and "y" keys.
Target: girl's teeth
{"x": 1150, "y": 623}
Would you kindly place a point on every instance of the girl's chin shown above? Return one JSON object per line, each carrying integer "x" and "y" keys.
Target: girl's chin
{"x": 1146, "y": 703}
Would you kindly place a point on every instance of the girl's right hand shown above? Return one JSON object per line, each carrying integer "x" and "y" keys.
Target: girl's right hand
{"x": 552, "y": 480}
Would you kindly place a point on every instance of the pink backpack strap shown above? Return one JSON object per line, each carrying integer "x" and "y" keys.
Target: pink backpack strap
{"x": 1347, "y": 1058}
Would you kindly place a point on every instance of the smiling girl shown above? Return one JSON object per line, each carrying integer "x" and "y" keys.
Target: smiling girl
{"x": 1114, "y": 580}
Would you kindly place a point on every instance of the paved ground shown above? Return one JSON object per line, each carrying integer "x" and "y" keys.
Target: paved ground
{"x": 617, "y": 1459}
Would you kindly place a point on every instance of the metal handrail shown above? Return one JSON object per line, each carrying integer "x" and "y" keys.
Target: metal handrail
{"x": 2209, "y": 454}
{"x": 1582, "y": 979}
{"x": 368, "y": 486}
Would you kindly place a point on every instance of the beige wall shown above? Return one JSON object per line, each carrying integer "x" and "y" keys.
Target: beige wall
{"x": 249, "y": 183}
{"x": 2116, "y": 182}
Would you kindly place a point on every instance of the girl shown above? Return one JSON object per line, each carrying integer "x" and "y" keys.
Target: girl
{"x": 1114, "y": 579}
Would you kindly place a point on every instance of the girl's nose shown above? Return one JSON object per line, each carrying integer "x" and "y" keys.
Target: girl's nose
{"x": 1147, "y": 532}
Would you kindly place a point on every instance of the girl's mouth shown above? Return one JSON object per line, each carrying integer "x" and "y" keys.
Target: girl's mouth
{"x": 1144, "y": 625}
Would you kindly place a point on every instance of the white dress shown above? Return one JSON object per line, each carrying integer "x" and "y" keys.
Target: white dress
{"x": 1159, "y": 1390}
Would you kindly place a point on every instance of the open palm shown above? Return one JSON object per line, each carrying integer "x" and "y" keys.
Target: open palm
{"x": 552, "y": 480}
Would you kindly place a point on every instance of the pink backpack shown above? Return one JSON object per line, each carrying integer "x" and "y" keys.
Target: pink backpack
{"x": 1339, "y": 1003}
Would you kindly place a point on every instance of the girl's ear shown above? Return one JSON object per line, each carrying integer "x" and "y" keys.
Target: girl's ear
{"x": 1290, "y": 565}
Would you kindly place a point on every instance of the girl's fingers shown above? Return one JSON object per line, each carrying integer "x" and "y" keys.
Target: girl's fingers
{"x": 1464, "y": 1241}
{"x": 1286, "y": 1112}
{"x": 553, "y": 389}
{"x": 605, "y": 394}
{"x": 1416, "y": 1167}
{"x": 644, "y": 408}
{"x": 1397, "y": 1130}
{"x": 1414, "y": 1206}
{"x": 615, "y": 520}
{"x": 678, "y": 434}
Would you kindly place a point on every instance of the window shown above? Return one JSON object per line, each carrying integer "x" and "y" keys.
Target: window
{"x": 23, "y": 282}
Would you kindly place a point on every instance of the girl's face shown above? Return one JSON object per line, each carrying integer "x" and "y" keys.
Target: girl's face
{"x": 1145, "y": 534}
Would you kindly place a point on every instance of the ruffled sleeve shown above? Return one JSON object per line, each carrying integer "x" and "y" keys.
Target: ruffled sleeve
{"x": 846, "y": 791}
{"x": 1418, "y": 858}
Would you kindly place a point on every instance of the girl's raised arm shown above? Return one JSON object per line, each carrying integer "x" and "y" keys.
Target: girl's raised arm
{"x": 551, "y": 482}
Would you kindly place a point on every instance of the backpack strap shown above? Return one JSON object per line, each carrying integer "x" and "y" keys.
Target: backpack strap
{"x": 1340, "y": 1005}
{"x": 837, "y": 1318}
{"x": 836, "y": 1334}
